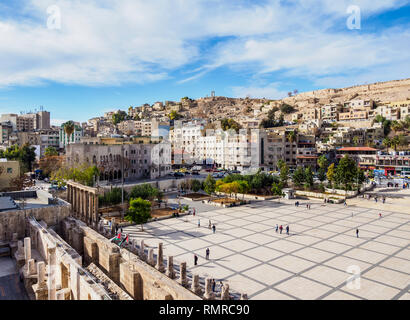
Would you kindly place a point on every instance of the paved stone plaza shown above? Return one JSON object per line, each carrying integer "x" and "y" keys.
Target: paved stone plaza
{"x": 310, "y": 263}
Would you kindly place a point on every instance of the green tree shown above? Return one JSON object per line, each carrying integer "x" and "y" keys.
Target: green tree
{"x": 277, "y": 189}
{"x": 286, "y": 108}
{"x": 298, "y": 176}
{"x": 139, "y": 212}
{"x": 118, "y": 117}
{"x": 309, "y": 177}
{"x": 244, "y": 187}
{"x": 387, "y": 142}
{"x": 322, "y": 162}
{"x": 209, "y": 184}
{"x": 50, "y": 151}
{"x": 284, "y": 174}
{"x": 24, "y": 154}
{"x": 196, "y": 185}
{"x": 174, "y": 115}
{"x": 145, "y": 191}
{"x": 227, "y": 124}
{"x": 330, "y": 173}
{"x": 346, "y": 171}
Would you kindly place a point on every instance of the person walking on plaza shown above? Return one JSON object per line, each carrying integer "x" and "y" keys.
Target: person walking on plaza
{"x": 357, "y": 233}
{"x": 277, "y": 228}
{"x": 213, "y": 228}
{"x": 213, "y": 285}
{"x": 207, "y": 254}
{"x": 281, "y": 228}
{"x": 209, "y": 224}
{"x": 287, "y": 229}
{"x": 195, "y": 259}
{"x": 384, "y": 200}
{"x": 199, "y": 223}
{"x": 380, "y": 215}
{"x": 194, "y": 212}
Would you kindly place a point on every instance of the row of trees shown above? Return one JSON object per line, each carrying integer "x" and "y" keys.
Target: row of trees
{"x": 259, "y": 183}
{"x": 143, "y": 191}
{"x": 84, "y": 174}
{"x": 24, "y": 154}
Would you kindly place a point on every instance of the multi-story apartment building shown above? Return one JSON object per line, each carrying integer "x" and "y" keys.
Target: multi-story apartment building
{"x": 123, "y": 159}
{"x": 330, "y": 112}
{"x": 9, "y": 170}
{"x": 359, "y": 104}
{"x": 353, "y": 115}
{"x": 388, "y": 112}
{"x": 311, "y": 114}
{"x": 29, "y": 121}
{"x": 348, "y": 136}
{"x": 6, "y": 129}
{"x": 306, "y": 155}
{"x": 404, "y": 112}
{"x": 381, "y": 162}
{"x": 184, "y": 138}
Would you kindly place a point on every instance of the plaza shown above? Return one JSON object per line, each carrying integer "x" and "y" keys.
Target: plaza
{"x": 313, "y": 262}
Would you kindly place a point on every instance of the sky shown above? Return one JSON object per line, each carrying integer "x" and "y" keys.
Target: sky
{"x": 81, "y": 58}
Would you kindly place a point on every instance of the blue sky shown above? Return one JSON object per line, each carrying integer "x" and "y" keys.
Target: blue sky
{"x": 112, "y": 54}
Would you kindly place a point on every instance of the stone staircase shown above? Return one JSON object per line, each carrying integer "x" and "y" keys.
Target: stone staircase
{"x": 4, "y": 249}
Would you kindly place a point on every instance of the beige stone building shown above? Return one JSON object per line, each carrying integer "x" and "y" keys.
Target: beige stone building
{"x": 9, "y": 170}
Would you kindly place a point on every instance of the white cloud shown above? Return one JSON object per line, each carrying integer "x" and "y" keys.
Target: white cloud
{"x": 108, "y": 42}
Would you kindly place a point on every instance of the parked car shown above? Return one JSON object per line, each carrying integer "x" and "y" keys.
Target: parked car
{"x": 235, "y": 172}
{"x": 195, "y": 172}
{"x": 179, "y": 175}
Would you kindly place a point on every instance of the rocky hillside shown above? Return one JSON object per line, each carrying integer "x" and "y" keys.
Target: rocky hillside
{"x": 238, "y": 108}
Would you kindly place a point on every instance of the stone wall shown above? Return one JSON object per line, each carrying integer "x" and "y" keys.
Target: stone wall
{"x": 139, "y": 279}
{"x": 14, "y": 221}
{"x": 65, "y": 279}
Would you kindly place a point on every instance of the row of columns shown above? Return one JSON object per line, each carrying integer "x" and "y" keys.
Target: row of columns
{"x": 183, "y": 279}
{"x": 84, "y": 204}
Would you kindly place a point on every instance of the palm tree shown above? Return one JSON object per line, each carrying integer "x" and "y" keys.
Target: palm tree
{"x": 387, "y": 142}
{"x": 395, "y": 142}
{"x": 397, "y": 126}
{"x": 69, "y": 128}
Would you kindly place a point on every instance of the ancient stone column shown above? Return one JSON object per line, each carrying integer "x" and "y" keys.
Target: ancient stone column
{"x": 41, "y": 272}
{"x": 142, "y": 251}
{"x": 160, "y": 259}
{"x": 151, "y": 260}
{"x": 20, "y": 248}
{"x": 170, "y": 267}
{"x": 183, "y": 280}
{"x": 225, "y": 292}
{"x": 27, "y": 249}
{"x": 196, "y": 288}
{"x": 209, "y": 295}
{"x": 244, "y": 296}
{"x": 31, "y": 267}
{"x": 52, "y": 265}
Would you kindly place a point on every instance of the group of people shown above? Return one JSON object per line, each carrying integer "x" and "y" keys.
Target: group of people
{"x": 307, "y": 205}
{"x": 280, "y": 229}
{"x": 210, "y": 225}
{"x": 207, "y": 253}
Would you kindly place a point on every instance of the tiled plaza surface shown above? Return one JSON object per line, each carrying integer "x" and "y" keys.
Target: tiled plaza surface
{"x": 309, "y": 263}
